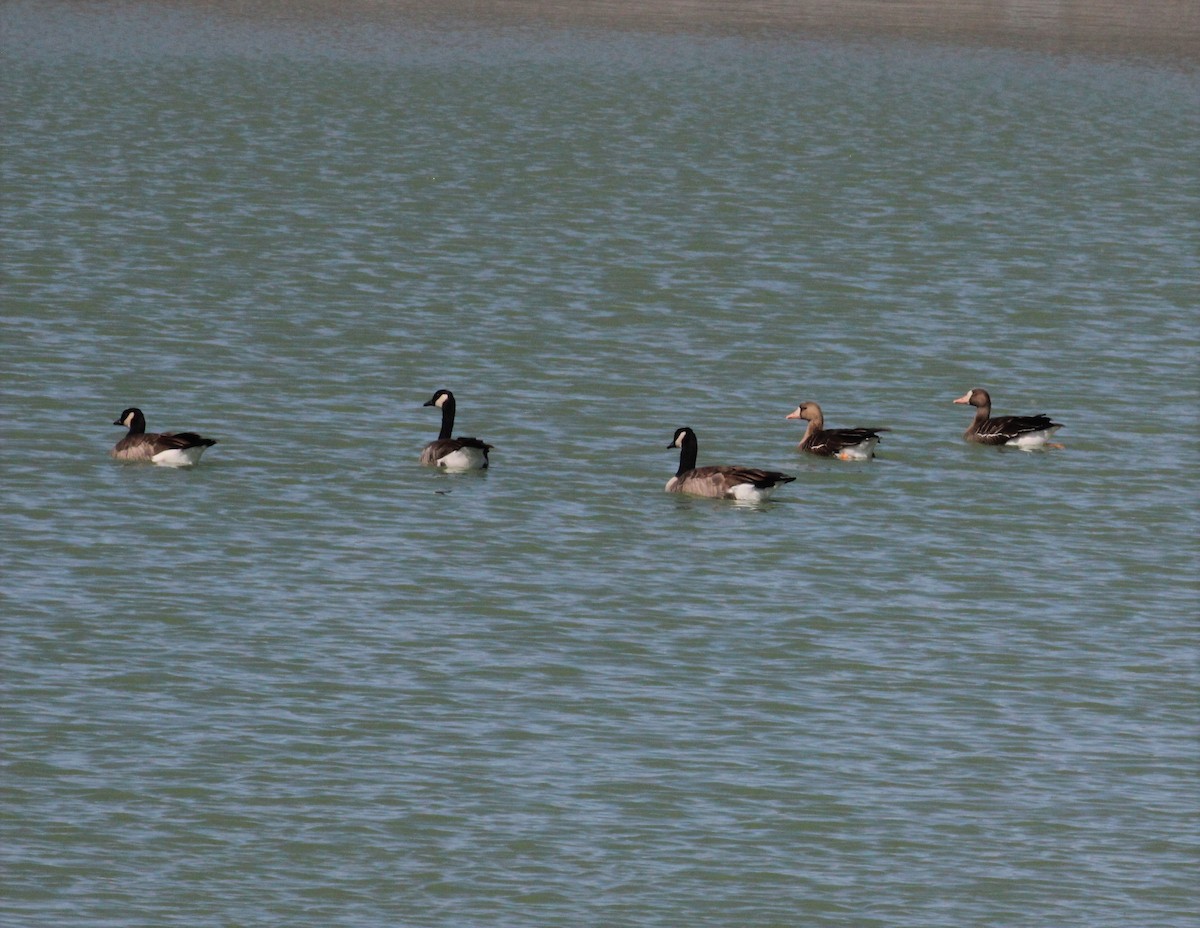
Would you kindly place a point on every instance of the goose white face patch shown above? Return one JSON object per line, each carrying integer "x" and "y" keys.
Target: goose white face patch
{"x": 128, "y": 420}
{"x": 440, "y": 400}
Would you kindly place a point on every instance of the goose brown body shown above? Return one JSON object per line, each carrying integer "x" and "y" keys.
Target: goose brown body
{"x": 844, "y": 444}
{"x": 175, "y": 449}
{"x": 719, "y": 481}
{"x": 451, "y": 453}
{"x": 1019, "y": 431}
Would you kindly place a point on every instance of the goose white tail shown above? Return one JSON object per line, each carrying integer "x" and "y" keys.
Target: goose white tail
{"x": 179, "y": 457}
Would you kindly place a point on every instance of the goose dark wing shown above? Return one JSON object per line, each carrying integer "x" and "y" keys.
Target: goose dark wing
{"x": 1006, "y": 428}
{"x": 181, "y": 440}
{"x": 831, "y": 441}
{"x": 754, "y": 476}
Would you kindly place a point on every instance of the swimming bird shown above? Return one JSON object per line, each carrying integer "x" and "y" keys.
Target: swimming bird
{"x": 1025, "y": 432}
{"x": 453, "y": 453}
{"x": 844, "y": 444}
{"x": 179, "y": 449}
{"x": 750, "y": 484}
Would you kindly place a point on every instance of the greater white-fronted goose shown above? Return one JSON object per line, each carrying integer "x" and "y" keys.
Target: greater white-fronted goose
{"x": 178, "y": 449}
{"x": 844, "y": 444}
{"x": 749, "y": 484}
{"x": 1025, "y": 432}
{"x": 453, "y": 453}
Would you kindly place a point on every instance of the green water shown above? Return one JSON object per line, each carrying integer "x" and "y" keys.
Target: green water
{"x": 310, "y": 683}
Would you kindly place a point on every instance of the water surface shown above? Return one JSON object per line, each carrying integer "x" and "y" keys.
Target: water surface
{"x": 310, "y": 683}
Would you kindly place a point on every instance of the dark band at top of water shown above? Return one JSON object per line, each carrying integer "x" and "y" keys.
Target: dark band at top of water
{"x": 1155, "y": 29}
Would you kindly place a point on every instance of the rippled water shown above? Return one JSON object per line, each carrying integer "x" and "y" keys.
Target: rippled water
{"x": 310, "y": 683}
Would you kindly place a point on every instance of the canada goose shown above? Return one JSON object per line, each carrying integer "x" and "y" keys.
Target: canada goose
{"x": 1026, "y": 432}
{"x": 180, "y": 449}
{"x": 453, "y": 453}
{"x": 721, "y": 482}
{"x": 844, "y": 444}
